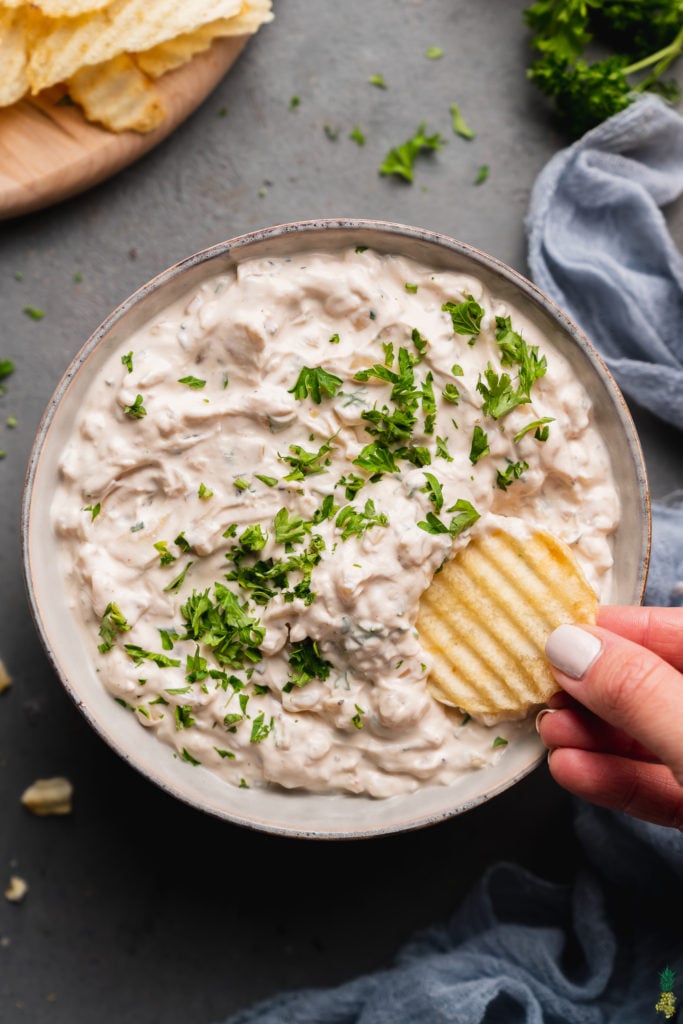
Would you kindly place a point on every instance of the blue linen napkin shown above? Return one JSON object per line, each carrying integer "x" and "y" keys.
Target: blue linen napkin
{"x": 522, "y": 949}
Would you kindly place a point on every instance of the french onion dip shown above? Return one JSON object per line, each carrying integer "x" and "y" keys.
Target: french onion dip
{"x": 264, "y": 480}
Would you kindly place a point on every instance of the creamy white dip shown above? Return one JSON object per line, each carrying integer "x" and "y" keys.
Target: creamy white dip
{"x": 294, "y": 656}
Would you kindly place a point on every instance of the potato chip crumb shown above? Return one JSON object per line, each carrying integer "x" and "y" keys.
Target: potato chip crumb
{"x": 49, "y": 796}
{"x": 16, "y": 890}
{"x": 5, "y": 677}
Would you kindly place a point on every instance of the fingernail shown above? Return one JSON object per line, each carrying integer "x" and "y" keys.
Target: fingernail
{"x": 539, "y": 716}
{"x": 572, "y": 650}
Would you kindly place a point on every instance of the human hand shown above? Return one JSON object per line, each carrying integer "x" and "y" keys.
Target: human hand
{"x": 615, "y": 731}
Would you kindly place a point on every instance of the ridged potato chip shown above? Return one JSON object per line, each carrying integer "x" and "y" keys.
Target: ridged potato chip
{"x": 60, "y": 8}
{"x": 59, "y": 47}
{"x": 171, "y": 54}
{"x": 13, "y": 55}
{"x": 486, "y": 616}
{"x": 118, "y": 95}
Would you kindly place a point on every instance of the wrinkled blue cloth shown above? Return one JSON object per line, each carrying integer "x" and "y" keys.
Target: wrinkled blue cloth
{"x": 599, "y": 246}
{"x": 522, "y": 949}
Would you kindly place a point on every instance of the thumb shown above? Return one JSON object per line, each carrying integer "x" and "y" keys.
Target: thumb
{"x": 624, "y": 684}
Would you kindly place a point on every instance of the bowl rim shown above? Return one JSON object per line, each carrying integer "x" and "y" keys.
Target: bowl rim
{"x": 235, "y": 246}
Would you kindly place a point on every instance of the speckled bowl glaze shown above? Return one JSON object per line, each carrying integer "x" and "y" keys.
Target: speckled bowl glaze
{"x": 284, "y": 812}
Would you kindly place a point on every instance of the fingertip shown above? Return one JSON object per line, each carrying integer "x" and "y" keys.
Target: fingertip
{"x": 573, "y": 650}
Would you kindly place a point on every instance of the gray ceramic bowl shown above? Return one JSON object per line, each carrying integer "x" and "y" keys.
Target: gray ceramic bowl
{"x": 272, "y": 810}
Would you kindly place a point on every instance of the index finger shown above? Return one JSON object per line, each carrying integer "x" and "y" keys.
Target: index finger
{"x": 658, "y": 629}
{"x": 625, "y": 684}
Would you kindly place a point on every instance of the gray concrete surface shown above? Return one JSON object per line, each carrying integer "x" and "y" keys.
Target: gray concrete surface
{"x": 141, "y": 910}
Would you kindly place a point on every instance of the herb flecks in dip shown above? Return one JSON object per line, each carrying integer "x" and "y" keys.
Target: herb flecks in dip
{"x": 264, "y": 481}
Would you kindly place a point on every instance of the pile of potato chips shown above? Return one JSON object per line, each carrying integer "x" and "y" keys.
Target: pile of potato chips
{"x": 108, "y": 54}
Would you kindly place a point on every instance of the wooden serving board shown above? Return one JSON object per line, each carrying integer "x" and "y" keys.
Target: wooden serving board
{"x": 48, "y": 151}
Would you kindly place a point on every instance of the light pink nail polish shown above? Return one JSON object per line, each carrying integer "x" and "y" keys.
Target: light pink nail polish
{"x": 572, "y": 650}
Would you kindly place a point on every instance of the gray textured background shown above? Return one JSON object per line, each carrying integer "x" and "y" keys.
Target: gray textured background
{"x": 140, "y": 909}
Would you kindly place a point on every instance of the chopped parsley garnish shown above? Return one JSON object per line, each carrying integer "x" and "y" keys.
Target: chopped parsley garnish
{"x": 34, "y": 313}
{"x": 466, "y": 315}
{"x": 482, "y": 174}
{"x": 289, "y": 528}
{"x": 294, "y": 102}
{"x": 316, "y": 382}
{"x": 112, "y": 622}
{"x": 167, "y": 638}
{"x": 165, "y": 556}
{"x": 435, "y": 491}
{"x": 136, "y": 527}
{"x": 182, "y": 543}
{"x": 466, "y": 517}
{"x": 357, "y": 718}
{"x": 305, "y": 463}
{"x": 429, "y": 404}
{"x": 419, "y": 342}
{"x": 352, "y": 483}
{"x": 183, "y": 716}
{"x": 306, "y": 663}
{"x": 451, "y": 394}
{"x": 442, "y": 449}
{"x": 352, "y": 522}
{"x": 6, "y": 368}
{"x": 196, "y": 383}
{"x": 540, "y": 428}
{"x": 480, "y": 445}
{"x": 225, "y": 753}
{"x": 500, "y": 397}
{"x": 224, "y": 625}
{"x": 331, "y": 132}
{"x": 515, "y": 352}
{"x": 204, "y": 493}
{"x": 187, "y": 756}
{"x": 138, "y": 654}
{"x": 410, "y": 288}
{"x": 260, "y": 730}
{"x": 460, "y": 126}
{"x": 327, "y": 510}
{"x": 127, "y": 361}
{"x": 241, "y": 484}
{"x": 356, "y": 135}
{"x": 377, "y": 80}
{"x": 177, "y": 583}
{"x": 136, "y": 410}
{"x": 334, "y": 340}
{"x": 401, "y": 159}
{"x": 433, "y": 52}
{"x": 94, "y": 510}
{"x": 513, "y": 472}
{"x": 499, "y": 742}
{"x": 269, "y": 481}
{"x": 376, "y": 458}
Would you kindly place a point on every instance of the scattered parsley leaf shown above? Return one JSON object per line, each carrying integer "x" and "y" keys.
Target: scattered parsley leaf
{"x": 94, "y": 510}
{"x": 225, "y": 753}
{"x": 442, "y": 449}
{"x": 401, "y": 159}
{"x": 187, "y": 756}
{"x": 331, "y": 132}
{"x": 482, "y": 174}
{"x": 34, "y": 313}
{"x": 480, "y": 445}
{"x": 513, "y": 472}
{"x": 356, "y": 135}
{"x": 350, "y": 521}
{"x": 127, "y": 361}
{"x": 136, "y": 410}
{"x": 269, "y": 481}
{"x": 306, "y": 663}
{"x": 334, "y": 340}
{"x": 466, "y": 315}
{"x": 6, "y": 368}
{"x": 434, "y": 489}
{"x": 192, "y": 382}
{"x": 294, "y": 102}
{"x": 451, "y": 394}
{"x": 433, "y": 52}
{"x": 466, "y": 517}
{"x": 541, "y": 430}
{"x": 305, "y": 463}
{"x": 177, "y": 583}
{"x": 138, "y": 655}
{"x": 460, "y": 126}
{"x": 357, "y": 718}
{"x": 113, "y": 621}
{"x": 316, "y": 382}
{"x": 204, "y": 493}
{"x": 410, "y": 288}
{"x": 499, "y": 742}
{"x": 377, "y": 80}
